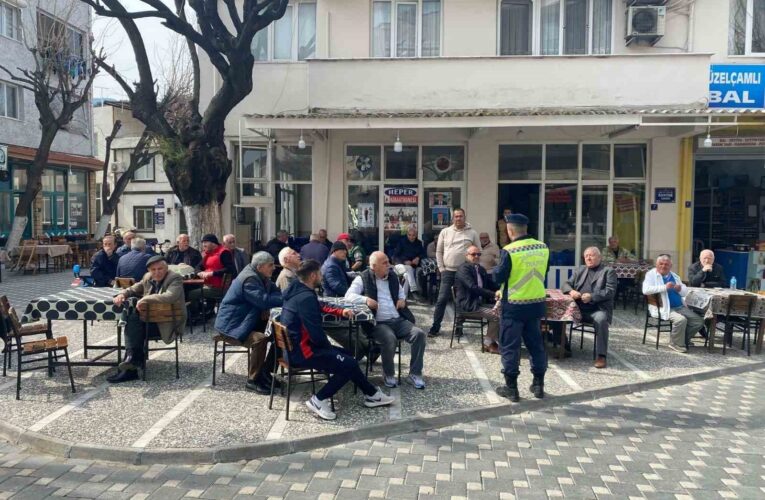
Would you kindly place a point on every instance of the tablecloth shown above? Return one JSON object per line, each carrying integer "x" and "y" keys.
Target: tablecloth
{"x": 630, "y": 269}
{"x": 186, "y": 271}
{"x": 561, "y": 307}
{"x": 76, "y": 304}
{"x": 714, "y": 301}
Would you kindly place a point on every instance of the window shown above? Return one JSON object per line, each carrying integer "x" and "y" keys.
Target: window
{"x": 401, "y": 165}
{"x": 406, "y": 28}
{"x": 143, "y": 219}
{"x": 291, "y": 38}
{"x": 515, "y": 27}
{"x": 292, "y": 163}
{"x": 630, "y": 160}
{"x": 54, "y": 37}
{"x": 522, "y": 161}
{"x": 9, "y": 100}
{"x": 443, "y": 163}
{"x": 144, "y": 173}
{"x": 99, "y": 209}
{"x": 565, "y": 27}
{"x": 10, "y": 21}
{"x": 253, "y": 176}
{"x": 747, "y": 27}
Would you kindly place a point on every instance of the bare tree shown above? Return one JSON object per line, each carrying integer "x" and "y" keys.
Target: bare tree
{"x": 60, "y": 80}
{"x": 192, "y": 143}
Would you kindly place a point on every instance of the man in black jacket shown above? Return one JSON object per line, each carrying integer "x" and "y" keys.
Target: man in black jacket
{"x": 410, "y": 253}
{"x": 474, "y": 289}
{"x": 183, "y": 253}
{"x": 301, "y": 316}
{"x": 275, "y": 245}
{"x": 103, "y": 266}
{"x": 705, "y": 273}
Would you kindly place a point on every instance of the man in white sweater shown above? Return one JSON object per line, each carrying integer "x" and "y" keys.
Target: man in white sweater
{"x": 452, "y": 246}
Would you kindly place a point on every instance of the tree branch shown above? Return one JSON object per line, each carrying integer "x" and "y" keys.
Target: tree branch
{"x": 109, "y": 138}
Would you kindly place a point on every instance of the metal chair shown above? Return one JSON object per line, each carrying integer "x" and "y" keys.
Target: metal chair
{"x": 587, "y": 327}
{"x": 658, "y": 323}
{"x": 737, "y": 317}
{"x": 158, "y": 314}
{"x": 219, "y": 338}
{"x": 461, "y": 320}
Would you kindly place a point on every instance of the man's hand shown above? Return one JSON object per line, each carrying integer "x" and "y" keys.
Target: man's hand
{"x": 670, "y": 285}
{"x": 372, "y": 304}
{"x": 416, "y": 261}
{"x": 586, "y": 298}
{"x": 575, "y": 295}
{"x": 141, "y": 305}
{"x": 400, "y": 304}
{"x": 119, "y": 299}
{"x": 678, "y": 288}
{"x": 204, "y": 274}
{"x": 498, "y": 294}
{"x": 348, "y": 314}
{"x": 707, "y": 268}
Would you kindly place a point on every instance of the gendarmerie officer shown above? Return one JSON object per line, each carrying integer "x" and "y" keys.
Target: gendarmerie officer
{"x": 522, "y": 268}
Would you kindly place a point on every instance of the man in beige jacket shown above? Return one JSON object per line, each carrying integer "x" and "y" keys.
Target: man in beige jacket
{"x": 452, "y": 246}
{"x": 489, "y": 253}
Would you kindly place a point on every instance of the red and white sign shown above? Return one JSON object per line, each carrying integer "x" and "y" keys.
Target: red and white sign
{"x": 400, "y": 196}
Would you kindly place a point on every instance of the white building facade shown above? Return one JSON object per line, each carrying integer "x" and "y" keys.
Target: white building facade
{"x": 410, "y": 109}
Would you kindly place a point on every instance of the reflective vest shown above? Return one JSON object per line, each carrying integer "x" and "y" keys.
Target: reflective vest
{"x": 526, "y": 284}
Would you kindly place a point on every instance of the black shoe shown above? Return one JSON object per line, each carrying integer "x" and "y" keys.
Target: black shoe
{"x": 258, "y": 387}
{"x": 434, "y": 333}
{"x": 538, "y": 387}
{"x": 123, "y": 376}
{"x": 132, "y": 361}
{"x": 509, "y": 390}
{"x": 703, "y": 332}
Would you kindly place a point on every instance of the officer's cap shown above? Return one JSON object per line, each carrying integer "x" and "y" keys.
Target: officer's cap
{"x": 518, "y": 219}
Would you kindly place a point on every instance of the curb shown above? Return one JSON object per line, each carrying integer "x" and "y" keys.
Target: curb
{"x": 39, "y": 442}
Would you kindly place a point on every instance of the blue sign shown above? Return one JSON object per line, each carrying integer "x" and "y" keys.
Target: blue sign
{"x": 737, "y": 86}
{"x": 665, "y": 195}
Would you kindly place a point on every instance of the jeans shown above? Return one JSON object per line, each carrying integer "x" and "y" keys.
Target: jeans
{"x": 600, "y": 320}
{"x": 685, "y": 324}
{"x": 444, "y": 296}
{"x": 512, "y": 331}
{"x": 387, "y": 333}
{"x": 342, "y": 368}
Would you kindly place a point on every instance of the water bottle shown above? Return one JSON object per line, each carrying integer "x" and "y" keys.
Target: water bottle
{"x": 733, "y": 283}
{"x": 76, "y": 270}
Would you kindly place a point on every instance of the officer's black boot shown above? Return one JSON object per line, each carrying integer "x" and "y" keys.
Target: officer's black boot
{"x": 538, "y": 386}
{"x": 510, "y": 389}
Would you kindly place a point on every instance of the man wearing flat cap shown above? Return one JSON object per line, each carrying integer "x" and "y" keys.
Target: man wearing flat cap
{"x": 334, "y": 280}
{"x": 158, "y": 286}
{"x": 521, "y": 273}
{"x": 217, "y": 262}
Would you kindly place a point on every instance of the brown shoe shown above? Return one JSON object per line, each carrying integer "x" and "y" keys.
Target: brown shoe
{"x": 600, "y": 362}
{"x": 492, "y": 349}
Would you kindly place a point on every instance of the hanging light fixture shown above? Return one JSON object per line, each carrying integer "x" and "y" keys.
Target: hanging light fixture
{"x": 708, "y": 140}
{"x": 398, "y": 146}
{"x": 301, "y": 141}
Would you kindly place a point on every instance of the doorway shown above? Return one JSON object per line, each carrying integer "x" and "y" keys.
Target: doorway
{"x": 520, "y": 198}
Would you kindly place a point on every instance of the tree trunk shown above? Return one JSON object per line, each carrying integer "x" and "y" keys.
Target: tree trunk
{"x": 17, "y": 230}
{"x": 103, "y": 224}
{"x": 202, "y": 220}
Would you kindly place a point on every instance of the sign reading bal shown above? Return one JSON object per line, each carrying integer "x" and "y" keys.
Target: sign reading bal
{"x": 739, "y": 86}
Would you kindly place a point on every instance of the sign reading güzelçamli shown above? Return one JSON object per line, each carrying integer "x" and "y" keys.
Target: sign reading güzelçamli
{"x": 737, "y": 86}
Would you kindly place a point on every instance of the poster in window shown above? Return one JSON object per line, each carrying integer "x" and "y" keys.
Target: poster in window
{"x": 399, "y": 218}
{"x": 400, "y": 196}
{"x": 366, "y": 215}
{"x": 440, "y": 199}
{"x": 440, "y": 217}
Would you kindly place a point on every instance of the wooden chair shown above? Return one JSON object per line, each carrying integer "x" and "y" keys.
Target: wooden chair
{"x": 40, "y": 328}
{"x": 282, "y": 363}
{"x": 124, "y": 283}
{"x": 460, "y": 320}
{"x": 27, "y": 258}
{"x": 158, "y": 314}
{"x": 224, "y": 340}
{"x": 42, "y": 354}
{"x": 658, "y": 323}
{"x": 737, "y": 318}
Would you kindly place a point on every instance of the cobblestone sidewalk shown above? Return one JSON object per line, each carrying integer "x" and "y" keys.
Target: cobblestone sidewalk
{"x": 702, "y": 440}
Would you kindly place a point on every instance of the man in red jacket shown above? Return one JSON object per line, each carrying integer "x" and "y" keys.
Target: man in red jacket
{"x": 217, "y": 262}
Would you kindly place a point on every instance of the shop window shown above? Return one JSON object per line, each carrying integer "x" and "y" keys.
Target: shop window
{"x": 293, "y": 209}
{"x": 747, "y": 27}
{"x": 362, "y": 163}
{"x": 630, "y": 160}
{"x": 293, "y": 37}
{"x": 520, "y": 162}
{"x": 439, "y": 208}
{"x": 19, "y": 179}
{"x": 292, "y": 163}
{"x": 515, "y": 27}
{"x": 560, "y": 223}
{"x": 10, "y": 21}
{"x": 575, "y": 27}
{"x": 9, "y": 100}
{"x": 78, "y": 200}
{"x": 99, "y": 206}
{"x": 596, "y": 161}
{"x": 253, "y": 173}
{"x": 364, "y": 215}
{"x": 594, "y": 217}
{"x": 443, "y": 163}
{"x": 629, "y": 216}
{"x": 561, "y": 161}
{"x": 401, "y": 165}
{"x": 6, "y": 211}
{"x": 143, "y": 219}
{"x": 395, "y": 26}
{"x": 144, "y": 173}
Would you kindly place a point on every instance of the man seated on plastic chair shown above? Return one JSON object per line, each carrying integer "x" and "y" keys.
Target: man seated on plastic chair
{"x": 301, "y": 316}
{"x": 158, "y": 286}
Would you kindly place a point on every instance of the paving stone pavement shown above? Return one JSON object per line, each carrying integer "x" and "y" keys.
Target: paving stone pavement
{"x": 701, "y": 440}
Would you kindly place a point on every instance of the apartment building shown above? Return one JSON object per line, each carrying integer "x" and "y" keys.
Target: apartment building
{"x": 66, "y": 204}
{"x": 593, "y": 117}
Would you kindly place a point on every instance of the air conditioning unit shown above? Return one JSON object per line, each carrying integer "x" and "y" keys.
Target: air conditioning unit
{"x": 646, "y": 23}
{"x": 116, "y": 166}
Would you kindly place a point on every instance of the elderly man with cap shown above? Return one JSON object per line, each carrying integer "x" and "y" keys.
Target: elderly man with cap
{"x": 334, "y": 279}
{"x": 217, "y": 262}
{"x": 158, "y": 286}
{"x": 521, "y": 273}
{"x": 244, "y": 313}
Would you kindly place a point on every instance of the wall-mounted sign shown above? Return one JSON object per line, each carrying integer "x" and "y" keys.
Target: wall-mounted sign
{"x": 3, "y": 163}
{"x": 400, "y": 196}
{"x": 735, "y": 142}
{"x": 160, "y": 202}
{"x": 664, "y": 195}
{"x": 737, "y": 86}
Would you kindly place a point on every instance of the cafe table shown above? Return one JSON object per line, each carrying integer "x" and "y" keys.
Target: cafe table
{"x": 714, "y": 302}
{"x": 561, "y": 310}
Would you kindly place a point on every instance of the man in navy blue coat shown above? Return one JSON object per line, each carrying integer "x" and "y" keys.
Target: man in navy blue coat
{"x": 103, "y": 266}
{"x": 243, "y": 315}
{"x": 315, "y": 250}
{"x": 334, "y": 279}
{"x": 133, "y": 263}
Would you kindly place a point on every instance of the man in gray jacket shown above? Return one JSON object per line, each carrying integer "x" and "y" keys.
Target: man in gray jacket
{"x": 453, "y": 243}
{"x": 593, "y": 286}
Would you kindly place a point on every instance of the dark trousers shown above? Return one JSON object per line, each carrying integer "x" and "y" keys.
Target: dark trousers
{"x": 512, "y": 330}
{"x": 444, "y": 296}
{"x": 599, "y": 319}
{"x": 342, "y": 368}
{"x": 135, "y": 334}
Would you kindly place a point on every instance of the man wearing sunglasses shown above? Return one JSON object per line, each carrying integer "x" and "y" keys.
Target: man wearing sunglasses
{"x": 474, "y": 290}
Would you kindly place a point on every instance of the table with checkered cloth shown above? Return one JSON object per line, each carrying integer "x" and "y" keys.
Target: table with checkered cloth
{"x": 561, "y": 307}
{"x": 714, "y": 301}
{"x": 80, "y": 303}
{"x": 361, "y": 313}
{"x": 186, "y": 271}
{"x": 630, "y": 269}
{"x": 428, "y": 266}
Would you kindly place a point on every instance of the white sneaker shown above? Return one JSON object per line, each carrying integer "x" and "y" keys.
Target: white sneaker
{"x": 677, "y": 348}
{"x": 390, "y": 381}
{"x": 416, "y": 381}
{"x": 379, "y": 398}
{"x": 321, "y": 408}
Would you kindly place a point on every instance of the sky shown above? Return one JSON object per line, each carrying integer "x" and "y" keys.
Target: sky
{"x": 108, "y": 33}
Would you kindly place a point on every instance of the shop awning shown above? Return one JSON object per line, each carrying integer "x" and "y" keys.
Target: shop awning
{"x": 56, "y": 158}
